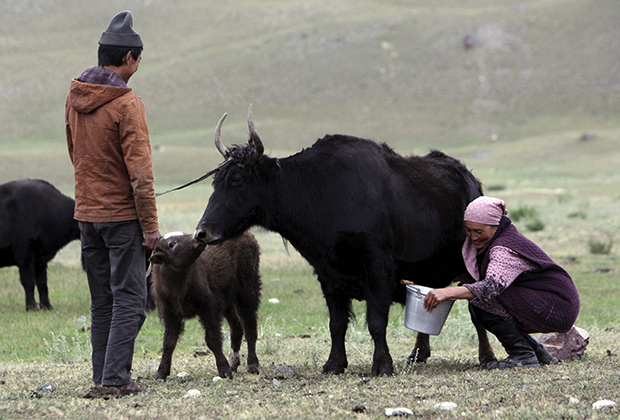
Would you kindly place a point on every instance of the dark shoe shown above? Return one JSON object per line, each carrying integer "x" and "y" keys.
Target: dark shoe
{"x": 130, "y": 389}
{"x": 544, "y": 357}
{"x": 94, "y": 392}
{"x": 103, "y": 392}
{"x": 512, "y": 362}
{"x": 513, "y": 339}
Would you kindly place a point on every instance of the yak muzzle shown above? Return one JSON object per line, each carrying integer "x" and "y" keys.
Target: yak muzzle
{"x": 204, "y": 236}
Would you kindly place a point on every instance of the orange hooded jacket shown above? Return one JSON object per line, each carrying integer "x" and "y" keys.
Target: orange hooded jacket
{"x": 108, "y": 141}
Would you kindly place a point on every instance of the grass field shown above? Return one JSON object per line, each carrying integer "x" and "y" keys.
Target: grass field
{"x": 575, "y": 207}
{"x": 53, "y": 348}
{"x": 532, "y": 110}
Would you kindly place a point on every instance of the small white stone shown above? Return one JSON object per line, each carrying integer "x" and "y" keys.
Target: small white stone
{"x": 192, "y": 393}
{"x": 274, "y": 300}
{"x": 446, "y": 405}
{"x": 216, "y": 378}
{"x": 573, "y": 400}
{"x": 182, "y": 375}
{"x": 276, "y": 382}
{"x": 603, "y": 404}
{"x": 400, "y": 411}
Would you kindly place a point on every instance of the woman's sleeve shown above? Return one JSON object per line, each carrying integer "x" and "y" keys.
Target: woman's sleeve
{"x": 505, "y": 265}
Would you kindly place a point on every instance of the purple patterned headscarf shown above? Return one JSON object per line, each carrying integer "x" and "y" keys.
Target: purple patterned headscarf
{"x": 486, "y": 211}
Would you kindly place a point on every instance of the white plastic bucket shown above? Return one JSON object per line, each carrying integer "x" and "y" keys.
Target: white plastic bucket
{"x": 417, "y": 318}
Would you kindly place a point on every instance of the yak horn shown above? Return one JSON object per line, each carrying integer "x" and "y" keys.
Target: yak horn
{"x": 218, "y": 137}
{"x": 254, "y": 137}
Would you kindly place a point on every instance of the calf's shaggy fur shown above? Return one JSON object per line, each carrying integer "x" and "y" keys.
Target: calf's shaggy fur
{"x": 221, "y": 282}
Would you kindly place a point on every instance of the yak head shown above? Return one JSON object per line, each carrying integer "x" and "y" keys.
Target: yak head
{"x": 177, "y": 251}
{"x": 240, "y": 189}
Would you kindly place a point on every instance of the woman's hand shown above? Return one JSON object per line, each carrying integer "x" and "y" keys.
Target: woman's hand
{"x": 436, "y": 296}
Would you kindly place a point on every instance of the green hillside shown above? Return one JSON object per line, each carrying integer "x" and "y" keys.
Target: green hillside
{"x": 392, "y": 70}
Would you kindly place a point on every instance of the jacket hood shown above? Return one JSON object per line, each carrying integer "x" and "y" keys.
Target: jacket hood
{"x": 86, "y": 97}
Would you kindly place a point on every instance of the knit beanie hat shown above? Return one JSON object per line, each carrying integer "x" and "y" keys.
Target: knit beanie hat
{"x": 120, "y": 32}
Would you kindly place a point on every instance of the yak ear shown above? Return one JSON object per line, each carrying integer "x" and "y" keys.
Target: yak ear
{"x": 157, "y": 258}
{"x": 270, "y": 167}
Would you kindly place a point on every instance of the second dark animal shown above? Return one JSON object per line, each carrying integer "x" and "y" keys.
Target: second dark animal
{"x": 36, "y": 221}
{"x": 221, "y": 282}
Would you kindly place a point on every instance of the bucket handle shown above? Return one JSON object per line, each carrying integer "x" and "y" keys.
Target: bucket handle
{"x": 413, "y": 289}
{"x": 418, "y": 294}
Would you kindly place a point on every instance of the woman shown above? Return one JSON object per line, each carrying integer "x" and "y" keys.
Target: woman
{"x": 518, "y": 289}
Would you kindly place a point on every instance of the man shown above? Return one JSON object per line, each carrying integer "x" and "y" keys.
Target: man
{"x": 109, "y": 146}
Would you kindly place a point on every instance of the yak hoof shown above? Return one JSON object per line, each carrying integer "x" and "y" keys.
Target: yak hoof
{"x": 32, "y": 306}
{"x": 47, "y": 306}
{"x": 253, "y": 368}
{"x": 380, "y": 369}
{"x": 160, "y": 375}
{"x": 418, "y": 356}
{"x": 333, "y": 368}
{"x": 488, "y": 361}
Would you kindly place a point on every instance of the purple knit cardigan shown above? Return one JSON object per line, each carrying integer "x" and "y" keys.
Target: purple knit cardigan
{"x": 544, "y": 299}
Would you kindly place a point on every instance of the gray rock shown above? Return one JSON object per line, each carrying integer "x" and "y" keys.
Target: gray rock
{"x": 566, "y": 346}
{"x": 47, "y": 388}
{"x": 283, "y": 372}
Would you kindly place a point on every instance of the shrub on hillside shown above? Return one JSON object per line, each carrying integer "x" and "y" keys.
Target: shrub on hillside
{"x": 600, "y": 247}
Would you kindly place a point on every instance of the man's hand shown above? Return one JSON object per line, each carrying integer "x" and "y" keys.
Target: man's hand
{"x": 151, "y": 239}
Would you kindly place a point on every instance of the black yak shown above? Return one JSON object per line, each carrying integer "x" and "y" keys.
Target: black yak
{"x": 36, "y": 221}
{"x": 362, "y": 215}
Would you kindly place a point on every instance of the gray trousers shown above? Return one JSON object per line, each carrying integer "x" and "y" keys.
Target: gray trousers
{"x": 115, "y": 266}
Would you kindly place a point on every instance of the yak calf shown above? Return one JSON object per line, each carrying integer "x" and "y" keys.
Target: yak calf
{"x": 221, "y": 282}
